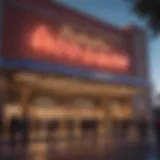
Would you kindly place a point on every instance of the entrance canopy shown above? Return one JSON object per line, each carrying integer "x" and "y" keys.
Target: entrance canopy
{"x": 66, "y": 85}
{"x": 36, "y": 66}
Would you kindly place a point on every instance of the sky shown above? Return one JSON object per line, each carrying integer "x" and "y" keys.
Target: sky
{"x": 119, "y": 13}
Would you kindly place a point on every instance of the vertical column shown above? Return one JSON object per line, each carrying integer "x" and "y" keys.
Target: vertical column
{"x": 24, "y": 100}
{"x": 25, "y": 96}
{"x": 77, "y": 129}
{"x": 63, "y": 121}
{"x": 75, "y": 116}
{"x": 63, "y": 128}
{"x": 104, "y": 122}
{"x": 102, "y": 129}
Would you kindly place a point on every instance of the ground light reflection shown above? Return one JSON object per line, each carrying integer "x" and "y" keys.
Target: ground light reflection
{"x": 112, "y": 148}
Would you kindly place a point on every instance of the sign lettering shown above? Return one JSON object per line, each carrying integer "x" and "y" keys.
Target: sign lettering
{"x": 51, "y": 44}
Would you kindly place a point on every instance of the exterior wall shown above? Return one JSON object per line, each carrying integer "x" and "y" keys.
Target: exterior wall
{"x": 1, "y": 17}
{"x": 138, "y": 47}
{"x": 133, "y": 40}
{"x": 71, "y": 16}
{"x": 68, "y": 107}
{"x": 96, "y": 31}
{"x": 2, "y": 79}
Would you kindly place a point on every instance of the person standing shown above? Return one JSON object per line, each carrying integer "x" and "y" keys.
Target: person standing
{"x": 25, "y": 131}
{"x": 14, "y": 129}
{"x": 143, "y": 128}
{"x": 52, "y": 126}
{"x": 125, "y": 127}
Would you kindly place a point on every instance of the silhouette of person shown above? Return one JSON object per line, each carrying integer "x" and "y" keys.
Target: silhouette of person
{"x": 52, "y": 125}
{"x": 143, "y": 128}
{"x": 89, "y": 128}
{"x": 125, "y": 126}
{"x": 14, "y": 129}
{"x": 25, "y": 130}
{"x": 94, "y": 127}
{"x": 84, "y": 127}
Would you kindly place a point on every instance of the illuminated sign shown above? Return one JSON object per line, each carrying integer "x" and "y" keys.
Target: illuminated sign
{"x": 77, "y": 49}
{"x": 68, "y": 32}
{"x": 83, "y": 39}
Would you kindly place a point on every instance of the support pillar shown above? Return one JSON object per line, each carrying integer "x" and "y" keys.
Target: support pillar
{"x": 25, "y": 96}
{"x": 102, "y": 128}
{"x": 77, "y": 129}
{"x": 63, "y": 128}
{"x": 104, "y": 123}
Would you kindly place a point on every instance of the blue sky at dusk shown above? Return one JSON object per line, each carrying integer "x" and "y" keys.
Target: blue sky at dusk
{"x": 118, "y": 12}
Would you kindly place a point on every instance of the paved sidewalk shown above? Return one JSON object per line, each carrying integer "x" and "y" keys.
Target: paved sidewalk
{"x": 130, "y": 148}
{"x": 110, "y": 150}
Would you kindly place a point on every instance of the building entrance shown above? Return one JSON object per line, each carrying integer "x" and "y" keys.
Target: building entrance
{"x": 66, "y": 116}
{"x": 57, "y": 110}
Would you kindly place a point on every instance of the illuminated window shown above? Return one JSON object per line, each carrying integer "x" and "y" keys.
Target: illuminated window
{"x": 44, "y": 101}
{"x": 83, "y": 103}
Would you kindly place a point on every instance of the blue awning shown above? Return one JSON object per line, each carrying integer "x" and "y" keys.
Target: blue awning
{"x": 72, "y": 71}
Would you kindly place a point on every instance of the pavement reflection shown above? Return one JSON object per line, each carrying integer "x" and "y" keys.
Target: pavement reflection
{"x": 111, "y": 150}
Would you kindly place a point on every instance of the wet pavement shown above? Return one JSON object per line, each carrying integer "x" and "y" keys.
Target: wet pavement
{"x": 126, "y": 148}
{"x": 110, "y": 150}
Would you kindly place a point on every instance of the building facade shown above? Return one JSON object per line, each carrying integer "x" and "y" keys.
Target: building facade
{"x": 58, "y": 64}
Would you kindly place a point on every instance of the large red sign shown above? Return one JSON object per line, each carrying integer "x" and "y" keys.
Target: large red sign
{"x": 29, "y": 36}
{"x": 43, "y": 40}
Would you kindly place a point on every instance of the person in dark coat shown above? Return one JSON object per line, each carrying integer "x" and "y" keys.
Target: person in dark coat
{"x": 25, "y": 131}
{"x": 89, "y": 127}
{"x": 143, "y": 128}
{"x": 14, "y": 129}
{"x": 52, "y": 126}
{"x": 125, "y": 126}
